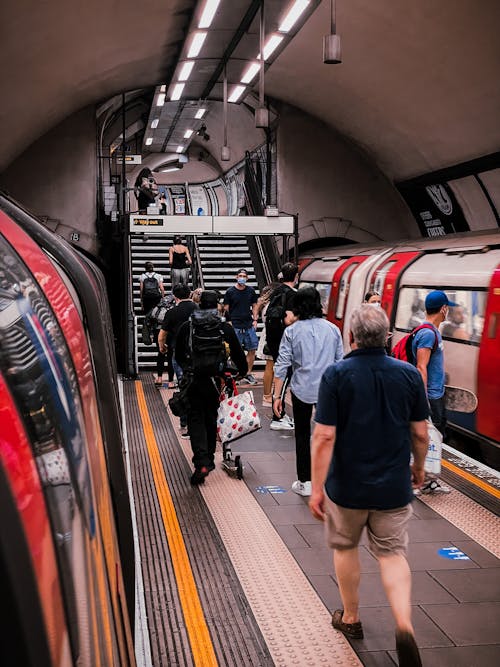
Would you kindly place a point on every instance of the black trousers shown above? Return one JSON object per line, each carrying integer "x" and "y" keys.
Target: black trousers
{"x": 202, "y": 420}
{"x": 302, "y": 413}
{"x": 286, "y": 382}
{"x": 438, "y": 414}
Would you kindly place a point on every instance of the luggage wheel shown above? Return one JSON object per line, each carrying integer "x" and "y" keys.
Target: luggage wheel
{"x": 233, "y": 467}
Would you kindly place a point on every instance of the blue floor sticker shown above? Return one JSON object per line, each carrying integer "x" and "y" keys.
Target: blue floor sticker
{"x": 452, "y": 553}
{"x": 270, "y": 489}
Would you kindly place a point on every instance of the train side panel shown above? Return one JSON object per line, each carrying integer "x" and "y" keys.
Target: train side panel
{"x": 488, "y": 376}
{"x": 45, "y": 348}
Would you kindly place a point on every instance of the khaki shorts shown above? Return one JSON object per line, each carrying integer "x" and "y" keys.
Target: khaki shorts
{"x": 386, "y": 529}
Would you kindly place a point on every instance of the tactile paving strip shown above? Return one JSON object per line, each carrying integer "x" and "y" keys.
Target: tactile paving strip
{"x": 476, "y": 521}
{"x": 294, "y": 622}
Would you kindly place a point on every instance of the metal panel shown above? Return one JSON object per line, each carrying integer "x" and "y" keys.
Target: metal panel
{"x": 255, "y": 225}
{"x": 468, "y": 269}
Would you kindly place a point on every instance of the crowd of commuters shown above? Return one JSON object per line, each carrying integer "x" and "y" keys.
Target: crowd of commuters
{"x": 356, "y": 471}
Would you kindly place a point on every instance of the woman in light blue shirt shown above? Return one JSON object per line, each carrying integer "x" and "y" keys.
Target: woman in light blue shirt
{"x": 308, "y": 346}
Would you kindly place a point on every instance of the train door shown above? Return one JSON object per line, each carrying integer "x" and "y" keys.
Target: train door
{"x": 340, "y": 289}
{"x": 385, "y": 278}
{"x": 488, "y": 387}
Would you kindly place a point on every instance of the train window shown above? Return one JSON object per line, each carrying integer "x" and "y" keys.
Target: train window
{"x": 305, "y": 284}
{"x": 324, "y": 290}
{"x": 43, "y": 382}
{"x": 380, "y": 275}
{"x": 464, "y": 322}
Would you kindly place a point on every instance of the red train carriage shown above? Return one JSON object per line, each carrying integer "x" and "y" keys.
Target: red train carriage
{"x": 467, "y": 267}
{"x": 62, "y": 482}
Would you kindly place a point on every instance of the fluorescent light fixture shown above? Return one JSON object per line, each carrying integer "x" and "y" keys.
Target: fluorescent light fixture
{"x": 271, "y": 45}
{"x": 165, "y": 171}
{"x": 250, "y": 72}
{"x": 188, "y": 134}
{"x": 293, "y": 15}
{"x": 179, "y": 149}
{"x": 163, "y": 89}
{"x": 186, "y": 70}
{"x": 200, "y": 113}
{"x": 154, "y": 123}
{"x": 196, "y": 44}
{"x": 161, "y": 100}
{"x": 177, "y": 91}
{"x": 236, "y": 94}
{"x": 208, "y": 13}
{"x": 149, "y": 141}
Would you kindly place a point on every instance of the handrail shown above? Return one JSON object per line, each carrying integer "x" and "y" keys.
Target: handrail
{"x": 197, "y": 273}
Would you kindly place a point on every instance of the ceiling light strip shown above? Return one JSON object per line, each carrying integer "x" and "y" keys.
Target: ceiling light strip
{"x": 236, "y": 93}
{"x": 177, "y": 92}
{"x": 196, "y": 44}
{"x": 271, "y": 45}
{"x": 250, "y": 72}
{"x": 200, "y": 113}
{"x": 296, "y": 11}
{"x": 208, "y": 13}
{"x": 186, "y": 70}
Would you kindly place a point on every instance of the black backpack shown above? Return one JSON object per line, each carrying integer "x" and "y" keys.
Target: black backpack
{"x": 150, "y": 287}
{"x": 275, "y": 314}
{"x": 206, "y": 346}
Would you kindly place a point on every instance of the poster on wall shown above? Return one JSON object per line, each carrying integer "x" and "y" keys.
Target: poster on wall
{"x": 199, "y": 200}
{"x": 178, "y": 194}
{"x": 435, "y": 208}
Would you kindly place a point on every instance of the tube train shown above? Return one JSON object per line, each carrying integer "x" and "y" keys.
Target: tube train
{"x": 66, "y": 545}
{"x": 467, "y": 268}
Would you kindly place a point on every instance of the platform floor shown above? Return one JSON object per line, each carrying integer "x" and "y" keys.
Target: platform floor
{"x": 237, "y": 572}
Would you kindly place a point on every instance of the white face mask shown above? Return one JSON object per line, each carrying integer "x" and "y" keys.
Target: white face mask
{"x": 375, "y": 304}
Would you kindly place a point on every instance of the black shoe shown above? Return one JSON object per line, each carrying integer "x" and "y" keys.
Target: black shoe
{"x": 198, "y": 477}
{"x": 407, "y": 650}
{"x": 351, "y": 630}
{"x": 210, "y": 467}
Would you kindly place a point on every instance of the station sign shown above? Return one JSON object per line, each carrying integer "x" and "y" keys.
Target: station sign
{"x": 129, "y": 159}
{"x": 213, "y": 224}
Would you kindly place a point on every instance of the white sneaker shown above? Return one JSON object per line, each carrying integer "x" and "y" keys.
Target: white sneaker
{"x": 288, "y": 419}
{"x": 281, "y": 425}
{"x": 302, "y": 488}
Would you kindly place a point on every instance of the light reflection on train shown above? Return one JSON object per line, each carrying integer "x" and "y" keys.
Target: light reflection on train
{"x": 66, "y": 532}
{"x": 467, "y": 268}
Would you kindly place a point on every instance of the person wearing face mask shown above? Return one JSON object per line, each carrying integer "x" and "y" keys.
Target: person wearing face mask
{"x": 240, "y": 305}
{"x": 428, "y": 352}
{"x": 373, "y": 298}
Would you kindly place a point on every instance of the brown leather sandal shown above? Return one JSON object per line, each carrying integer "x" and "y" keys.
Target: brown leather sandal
{"x": 351, "y": 630}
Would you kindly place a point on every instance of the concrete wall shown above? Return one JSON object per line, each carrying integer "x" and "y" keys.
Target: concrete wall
{"x": 55, "y": 178}
{"x": 333, "y": 186}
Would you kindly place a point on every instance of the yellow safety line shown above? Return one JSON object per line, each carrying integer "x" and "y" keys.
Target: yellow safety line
{"x": 472, "y": 478}
{"x": 199, "y": 636}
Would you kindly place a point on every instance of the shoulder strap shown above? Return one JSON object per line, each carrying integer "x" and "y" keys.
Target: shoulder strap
{"x": 427, "y": 326}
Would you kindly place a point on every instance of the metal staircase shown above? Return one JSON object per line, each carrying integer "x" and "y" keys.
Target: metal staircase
{"x": 147, "y": 249}
{"x": 219, "y": 258}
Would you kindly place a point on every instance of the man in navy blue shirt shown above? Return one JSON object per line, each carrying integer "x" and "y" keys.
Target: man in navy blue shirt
{"x": 370, "y": 416}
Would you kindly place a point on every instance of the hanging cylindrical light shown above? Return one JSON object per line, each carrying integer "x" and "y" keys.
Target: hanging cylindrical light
{"x": 261, "y": 113}
{"x": 332, "y": 52}
{"x": 225, "y": 154}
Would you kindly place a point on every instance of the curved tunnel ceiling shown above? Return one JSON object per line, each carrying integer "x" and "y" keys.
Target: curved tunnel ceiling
{"x": 417, "y": 88}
